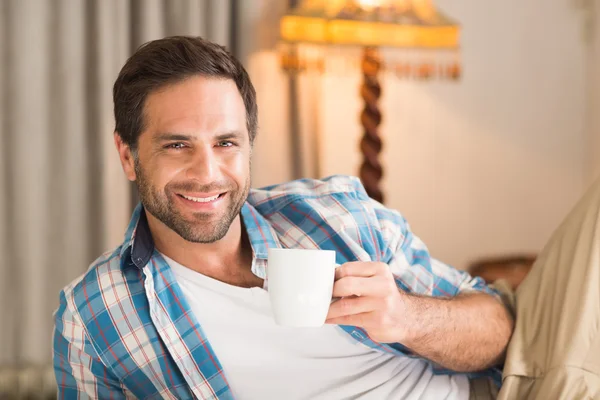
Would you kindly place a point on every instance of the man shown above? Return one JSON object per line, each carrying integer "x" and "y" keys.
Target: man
{"x": 179, "y": 310}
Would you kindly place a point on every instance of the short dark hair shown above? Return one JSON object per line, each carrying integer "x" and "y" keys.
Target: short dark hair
{"x": 171, "y": 60}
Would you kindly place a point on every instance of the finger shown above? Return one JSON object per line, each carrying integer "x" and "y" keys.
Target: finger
{"x": 359, "y": 286}
{"x": 358, "y": 268}
{"x": 358, "y": 320}
{"x": 351, "y": 306}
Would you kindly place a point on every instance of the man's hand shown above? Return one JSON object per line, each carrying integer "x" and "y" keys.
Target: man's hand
{"x": 370, "y": 299}
{"x": 468, "y": 332}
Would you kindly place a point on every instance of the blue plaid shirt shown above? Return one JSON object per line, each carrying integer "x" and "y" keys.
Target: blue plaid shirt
{"x": 125, "y": 330}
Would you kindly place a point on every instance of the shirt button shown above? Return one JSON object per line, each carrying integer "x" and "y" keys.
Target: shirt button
{"x": 358, "y": 335}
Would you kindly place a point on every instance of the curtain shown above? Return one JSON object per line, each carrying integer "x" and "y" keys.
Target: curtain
{"x": 63, "y": 197}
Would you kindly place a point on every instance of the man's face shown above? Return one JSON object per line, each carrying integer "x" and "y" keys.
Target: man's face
{"x": 193, "y": 162}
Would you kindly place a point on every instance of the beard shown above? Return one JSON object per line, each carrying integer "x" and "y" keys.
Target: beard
{"x": 200, "y": 227}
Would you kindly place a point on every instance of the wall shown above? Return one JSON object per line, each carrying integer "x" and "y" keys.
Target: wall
{"x": 593, "y": 95}
{"x": 486, "y": 166}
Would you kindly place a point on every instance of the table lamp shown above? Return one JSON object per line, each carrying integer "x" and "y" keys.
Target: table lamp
{"x": 429, "y": 38}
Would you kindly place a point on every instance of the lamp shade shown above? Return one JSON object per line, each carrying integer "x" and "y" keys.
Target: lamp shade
{"x": 427, "y": 40}
{"x": 392, "y": 23}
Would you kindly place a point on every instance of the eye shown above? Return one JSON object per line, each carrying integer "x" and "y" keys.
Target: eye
{"x": 175, "y": 146}
{"x": 225, "y": 143}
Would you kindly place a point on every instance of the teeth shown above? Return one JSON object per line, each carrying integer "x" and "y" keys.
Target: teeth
{"x": 201, "y": 199}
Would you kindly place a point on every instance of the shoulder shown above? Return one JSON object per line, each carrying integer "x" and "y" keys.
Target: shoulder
{"x": 337, "y": 194}
{"x": 104, "y": 283}
{"x": 283, "y": 193}
{"x": 334, "y": 208}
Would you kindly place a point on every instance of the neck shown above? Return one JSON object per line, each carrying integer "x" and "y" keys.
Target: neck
{"x": 230, "y": 252}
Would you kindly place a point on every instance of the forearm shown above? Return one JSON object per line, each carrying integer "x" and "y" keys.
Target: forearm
{"x": 466, "y": 333}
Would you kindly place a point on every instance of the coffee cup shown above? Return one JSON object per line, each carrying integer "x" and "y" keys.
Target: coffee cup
{"x": 300, "y": 285}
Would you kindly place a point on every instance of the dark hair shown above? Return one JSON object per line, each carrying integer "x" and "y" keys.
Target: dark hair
{"x": 171, "y": 60}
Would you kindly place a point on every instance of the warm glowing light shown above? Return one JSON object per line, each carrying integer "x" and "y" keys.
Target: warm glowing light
{"x": 369, "y": 4}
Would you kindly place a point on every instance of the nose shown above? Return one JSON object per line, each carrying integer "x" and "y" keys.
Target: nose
{"x": 204, "y": 167}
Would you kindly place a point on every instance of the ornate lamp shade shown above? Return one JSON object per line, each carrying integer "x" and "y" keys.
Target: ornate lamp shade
{"x": 430, "y": 49}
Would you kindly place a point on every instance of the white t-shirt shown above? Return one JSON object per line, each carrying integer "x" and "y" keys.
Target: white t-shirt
{"x": 262, "y": 360}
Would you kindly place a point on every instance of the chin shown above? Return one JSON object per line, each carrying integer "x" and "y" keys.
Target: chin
{"x": 212, "y": 235}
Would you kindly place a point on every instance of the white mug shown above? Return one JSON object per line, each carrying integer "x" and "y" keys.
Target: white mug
{"x": 300, "y": 285}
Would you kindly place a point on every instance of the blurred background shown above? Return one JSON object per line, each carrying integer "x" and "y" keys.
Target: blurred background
{"x": 484, "y": 165}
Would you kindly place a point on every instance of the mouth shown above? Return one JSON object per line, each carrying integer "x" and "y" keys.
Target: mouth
{"x": 202, "y": 201}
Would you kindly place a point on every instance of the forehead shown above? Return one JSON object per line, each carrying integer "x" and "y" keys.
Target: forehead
{"x": 196, "y": 103}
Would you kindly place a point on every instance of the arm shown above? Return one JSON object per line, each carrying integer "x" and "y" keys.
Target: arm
{"x": 465, "y": 333}
{"x": 409, "y": 298}
{"x": 78, "y": 370}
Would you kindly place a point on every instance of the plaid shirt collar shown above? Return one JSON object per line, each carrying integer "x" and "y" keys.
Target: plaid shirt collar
{"x": 139, "y": 243}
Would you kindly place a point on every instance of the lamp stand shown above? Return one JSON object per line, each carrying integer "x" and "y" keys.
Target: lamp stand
{"x": 371, "y": 170}
{"x": 294, "y": 117}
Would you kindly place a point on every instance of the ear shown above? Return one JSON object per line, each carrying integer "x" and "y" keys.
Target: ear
{"x": 126, "y": 156}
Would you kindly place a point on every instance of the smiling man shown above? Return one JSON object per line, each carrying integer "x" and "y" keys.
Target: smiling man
{"x": 179, "y": 309}
{"x": 191, "y": 163}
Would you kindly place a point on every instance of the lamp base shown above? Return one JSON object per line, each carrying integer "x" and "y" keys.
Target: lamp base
{"x": 371, "y": 144}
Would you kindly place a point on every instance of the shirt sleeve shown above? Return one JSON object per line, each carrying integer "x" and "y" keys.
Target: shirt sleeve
{"x": 79, "y": 371}
{"x": 415, "y": 270}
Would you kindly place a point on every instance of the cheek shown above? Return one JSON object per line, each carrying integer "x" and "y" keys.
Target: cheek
{"x": 161, "y": 172}
{"x": 238, "y": 165}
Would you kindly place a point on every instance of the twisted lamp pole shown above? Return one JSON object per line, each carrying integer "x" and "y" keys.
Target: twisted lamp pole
{"x": 371, "y": 170}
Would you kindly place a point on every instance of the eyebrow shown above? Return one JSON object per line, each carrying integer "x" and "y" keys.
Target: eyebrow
{"x": 229, "y": 135}
{"x": 164, "y": 137}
